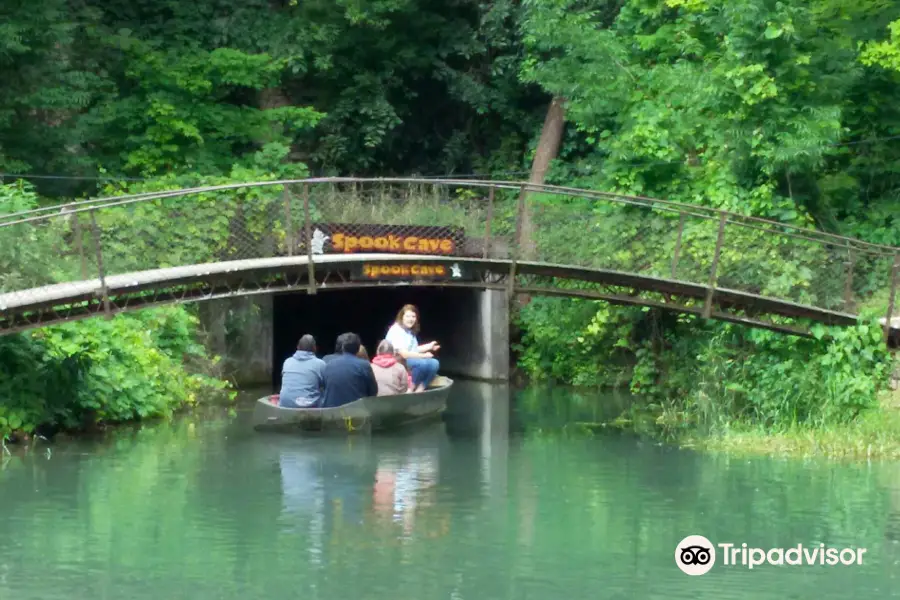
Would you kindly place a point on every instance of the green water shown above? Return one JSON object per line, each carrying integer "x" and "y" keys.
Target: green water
{"x": 495, "y": 503}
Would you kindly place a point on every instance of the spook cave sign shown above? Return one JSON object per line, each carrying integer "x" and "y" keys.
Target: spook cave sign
{"x": 346, "y": 238}
{"x": 409, "y": 271}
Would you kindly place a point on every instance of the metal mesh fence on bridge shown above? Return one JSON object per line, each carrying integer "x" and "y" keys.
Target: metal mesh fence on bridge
{"x": 116, "y": 238}
{"x": 666, "y": 242}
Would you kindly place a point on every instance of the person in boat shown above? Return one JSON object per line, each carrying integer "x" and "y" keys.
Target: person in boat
{"x": 391, "y": 376}
{"x": 337, "y": 351}
{"x": 402, "y": 361}
{"x": 419, "y": 357}
{"x": 363, "y": 354}
{"x": 302, "y": 376}
{"x": 347, "y": 378}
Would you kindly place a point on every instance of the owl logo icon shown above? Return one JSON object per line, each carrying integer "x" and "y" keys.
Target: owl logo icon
{"x": 695, "y": 555}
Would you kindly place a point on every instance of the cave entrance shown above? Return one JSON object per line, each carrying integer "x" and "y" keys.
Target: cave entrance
{"x": 471, "y": 325}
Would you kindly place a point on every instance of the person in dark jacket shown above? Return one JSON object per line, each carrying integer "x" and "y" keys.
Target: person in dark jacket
{"x": 347, "y": 377}
{"x": 337, "y": 351}
{"x": 302, "y": 376}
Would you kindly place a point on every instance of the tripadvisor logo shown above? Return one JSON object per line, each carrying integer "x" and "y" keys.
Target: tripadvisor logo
{"x": 696, "y": 555}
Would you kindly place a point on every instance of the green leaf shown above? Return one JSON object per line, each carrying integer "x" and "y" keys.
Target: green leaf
{"x": 772, "y": 31}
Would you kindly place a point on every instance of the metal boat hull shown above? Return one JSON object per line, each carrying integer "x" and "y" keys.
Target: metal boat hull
{"x": 373, "y": 413}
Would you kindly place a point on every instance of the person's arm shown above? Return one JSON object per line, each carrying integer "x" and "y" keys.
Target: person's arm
{"x": 371, "y": 382}
{"x": 406, "y": 354}
{"x": 429, "y": 347}
{"x": 422, "y": 350}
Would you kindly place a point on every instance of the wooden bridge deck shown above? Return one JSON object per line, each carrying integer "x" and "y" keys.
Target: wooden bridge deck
{"x": 52, "y": 297}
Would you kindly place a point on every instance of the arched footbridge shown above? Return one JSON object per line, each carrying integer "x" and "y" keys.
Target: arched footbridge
{"x": 121, "y": 253}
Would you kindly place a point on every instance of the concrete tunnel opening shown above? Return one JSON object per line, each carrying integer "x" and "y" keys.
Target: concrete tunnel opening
{"x": 472, "y": 325}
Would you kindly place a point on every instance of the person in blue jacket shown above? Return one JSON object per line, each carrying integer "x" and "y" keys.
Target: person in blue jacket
{"x": 302, "y": 376}
{"x": 348, "y": 377}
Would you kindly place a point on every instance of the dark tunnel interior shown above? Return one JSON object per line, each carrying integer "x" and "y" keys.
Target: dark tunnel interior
{"x": 369, "y": 312}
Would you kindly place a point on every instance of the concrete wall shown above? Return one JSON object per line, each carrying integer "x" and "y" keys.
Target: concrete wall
{"x": 241, "y": 331}
{"x": 473, "y": 329}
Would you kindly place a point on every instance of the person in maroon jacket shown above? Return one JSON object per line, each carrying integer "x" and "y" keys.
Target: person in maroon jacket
{"x": 391, "y": 375}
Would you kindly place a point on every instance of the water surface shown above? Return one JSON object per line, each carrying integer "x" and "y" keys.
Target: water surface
{"x": 505, "y": 500}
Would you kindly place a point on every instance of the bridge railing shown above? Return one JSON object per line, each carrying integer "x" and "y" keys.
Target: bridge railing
{"x": 107, "y": 237}
{"x": 711, "y": 248}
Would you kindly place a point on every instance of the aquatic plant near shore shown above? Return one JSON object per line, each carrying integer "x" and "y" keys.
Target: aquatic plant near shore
{"x": 874, "y": 435}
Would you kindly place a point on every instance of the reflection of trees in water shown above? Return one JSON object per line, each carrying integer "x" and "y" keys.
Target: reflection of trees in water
{"x": 132, "y": 501}
{"x": 780, "y": 502}
{"x": 554, "y": 408}
{"x": 889, "y": 476}
{"x": 589, "y": 493}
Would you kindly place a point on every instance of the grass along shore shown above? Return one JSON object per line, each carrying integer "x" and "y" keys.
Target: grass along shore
{"x": 873, "y": 435}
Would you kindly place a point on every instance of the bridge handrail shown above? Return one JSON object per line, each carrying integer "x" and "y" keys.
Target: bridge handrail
{"x": 699, "y": 211}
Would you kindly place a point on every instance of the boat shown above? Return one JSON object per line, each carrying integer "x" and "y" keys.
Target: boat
{"x": 372, "y": 413}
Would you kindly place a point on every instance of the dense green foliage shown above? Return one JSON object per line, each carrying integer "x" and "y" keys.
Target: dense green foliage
{"x": 142, "y": 88}
{"x": 759, "y": 107}
{"x": 148, "y": 364}
{"x": 135, "y": 366}
{"x": 709, "y": 374}
{"x": 786, "y": 110}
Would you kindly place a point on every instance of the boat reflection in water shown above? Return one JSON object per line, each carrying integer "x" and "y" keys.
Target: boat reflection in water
{"x": 408, "y": 482}
{"x": 303, "y": 499}
{"x": 405, "y": 485}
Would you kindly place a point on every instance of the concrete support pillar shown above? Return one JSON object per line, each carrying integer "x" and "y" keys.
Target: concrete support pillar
{"x": 477, "y": 341}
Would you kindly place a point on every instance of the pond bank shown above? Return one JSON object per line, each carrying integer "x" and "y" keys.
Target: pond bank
{"x": 51, "y": 433}
{"x": 873, "y": 435}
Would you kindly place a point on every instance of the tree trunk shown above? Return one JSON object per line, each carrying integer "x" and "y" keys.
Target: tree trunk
{"x": 270, "y": 98}
{"x": 547, "y": 150}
